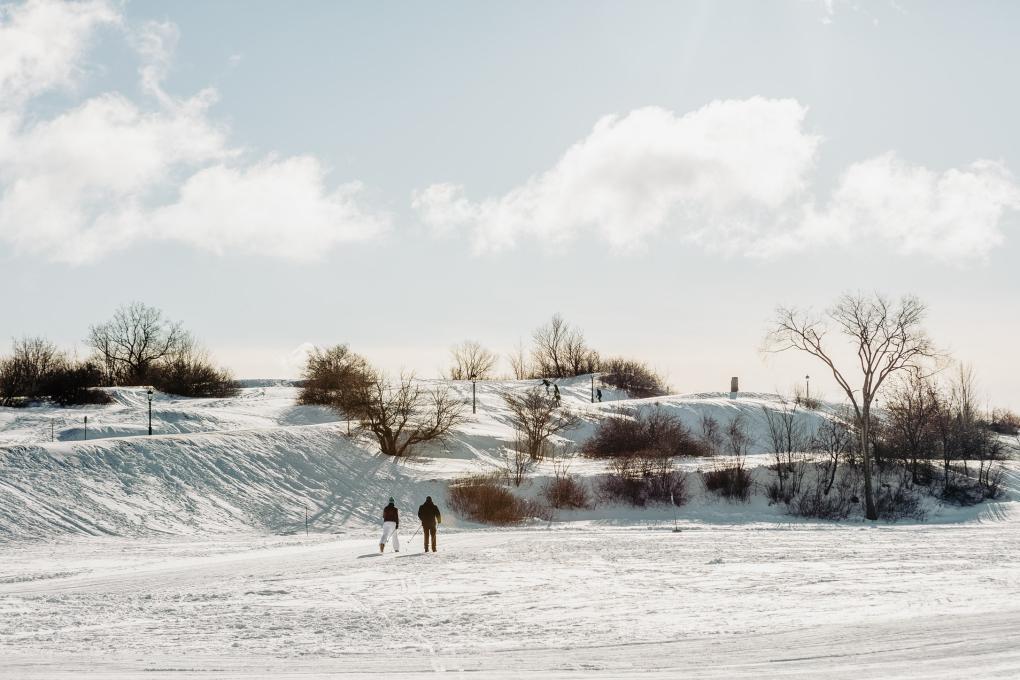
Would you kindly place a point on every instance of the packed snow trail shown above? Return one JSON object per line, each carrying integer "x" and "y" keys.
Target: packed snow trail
{"x": 587, "y": 600}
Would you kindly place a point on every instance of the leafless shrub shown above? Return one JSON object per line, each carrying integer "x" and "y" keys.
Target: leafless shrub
{"x": 711, "y": 435}
{"x": 23, "y": 374}
{"x": 643, "y": 478}
{"x": 738, "y": 440}
{"x": 653, "y": 430}
{"x": 566, "y": 491}
{"x": 517, "y": 463}
{"x": 481, "y": 498}
{"x": 635, "y": 377}
{"x": 471, "y": 360}
{"x": 732, "y": 483}
{"x": 535, "y": 418}
{"x": 336, "y": 377}
{"x": 188, "y": 372}
{"x": 1003, "y": 421}
{"x": 37, "y": 370}
{"x": 73, "y": 383}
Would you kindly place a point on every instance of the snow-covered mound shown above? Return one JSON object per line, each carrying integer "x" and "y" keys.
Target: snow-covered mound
{"x": 260, "y": 461}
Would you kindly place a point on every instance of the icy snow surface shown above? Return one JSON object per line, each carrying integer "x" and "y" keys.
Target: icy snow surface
{"x": 184, "y": 555}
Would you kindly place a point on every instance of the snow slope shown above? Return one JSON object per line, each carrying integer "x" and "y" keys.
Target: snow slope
{"x": 254, "y": 463}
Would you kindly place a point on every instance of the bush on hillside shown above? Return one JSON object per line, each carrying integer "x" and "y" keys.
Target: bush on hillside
{"x": 642, "y": 479}
{"x": 732, "y": 483}
{"x": 566, "y": 491}
{"x": 74, "y": 384}
{"x": 1004, "y": 422}
{"x": 192, "y": 375}
{"x": 653, "y": 431}
{"x": 632, "y": 376}
{"x": 482, "y": 498}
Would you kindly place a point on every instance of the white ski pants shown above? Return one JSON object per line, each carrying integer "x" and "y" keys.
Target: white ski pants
{"x": 390, "y": 529}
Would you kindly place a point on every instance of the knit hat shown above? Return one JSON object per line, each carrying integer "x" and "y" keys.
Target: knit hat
{"x": 391, "y": 499}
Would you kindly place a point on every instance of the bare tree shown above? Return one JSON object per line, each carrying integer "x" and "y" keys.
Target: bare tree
{"x": 560, "y": 351}
{"x": 470, "y": 359}
{"x": 886, "y": 337}
{"x": 535, "y": 417}
{"x": 519, "y": 364}
{"x": 711, "y": 434}
{"x": 786, "y": 436}
{"x": 833, "y": 437}
{"x": 912, "y": 407}
{"x": 738, "y": 441}
{"x": 402, "y": 415}
{"x": 136, "y": 337}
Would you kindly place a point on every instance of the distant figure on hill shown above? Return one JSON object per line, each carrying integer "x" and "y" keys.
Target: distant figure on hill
{"x": 546, "y": 383}
{"x": 598, "y": 395}
{"x": 391, "y": 523}
{"x": 430, "y": 516}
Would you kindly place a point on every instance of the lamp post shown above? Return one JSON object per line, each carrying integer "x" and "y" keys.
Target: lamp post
{"x": 807, "y": 387}
{"x": 150, "y": 411}
{"x": 86, "y": 428}
{"x": 593, "y": 388}
{"x": 474, "y": 407}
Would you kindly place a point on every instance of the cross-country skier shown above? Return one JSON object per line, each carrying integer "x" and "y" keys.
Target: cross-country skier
{"x": 598, "y": 395}
{"x": 429, "y": 515}
{"x": 547, "y": 384}
{"x": 556, "y": 393}
{"x": 390, "y": 525}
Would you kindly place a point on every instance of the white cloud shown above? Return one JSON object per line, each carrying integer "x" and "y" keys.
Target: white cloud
{"x": 281, "y": 207}
{"x": 42, "y": 44}
{"x": 732, "y": 177}
{"x": 952, "y": 215}
{"x": 110, "y": 172}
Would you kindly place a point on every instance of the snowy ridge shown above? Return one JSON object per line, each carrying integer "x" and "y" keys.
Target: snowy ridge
{"x": 260, "y": 461}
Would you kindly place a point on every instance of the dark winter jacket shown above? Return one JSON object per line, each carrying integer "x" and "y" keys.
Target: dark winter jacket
{"x": 429, "y": 515}
{"x": 390, "y": 514}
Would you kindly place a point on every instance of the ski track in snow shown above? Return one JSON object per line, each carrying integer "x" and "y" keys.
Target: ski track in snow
{"x": 183, "y": 555}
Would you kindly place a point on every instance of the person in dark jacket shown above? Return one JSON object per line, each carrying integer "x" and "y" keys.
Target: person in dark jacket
{"x": 391, "y": 523}
{"x": 430, "y": 516}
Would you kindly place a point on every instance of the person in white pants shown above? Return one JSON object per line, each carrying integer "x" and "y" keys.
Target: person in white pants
{"x": 391, "y": 527}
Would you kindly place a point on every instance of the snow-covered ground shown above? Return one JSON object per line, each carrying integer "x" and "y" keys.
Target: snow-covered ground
{"x": 184, "y": 554}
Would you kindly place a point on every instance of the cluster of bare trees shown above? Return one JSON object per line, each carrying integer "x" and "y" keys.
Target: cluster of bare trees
{"x": 893, "y": 355}
{"x": 137, "y": 346}
{"x": 558, "y": 350}
{"x": 36, "y": 369}
{"x": 886, "y": 337}
{"x": 934, "y": 425}
{"x": 401, "y": 414}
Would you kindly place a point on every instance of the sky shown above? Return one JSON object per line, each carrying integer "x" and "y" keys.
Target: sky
{"x": 403, "y": 176}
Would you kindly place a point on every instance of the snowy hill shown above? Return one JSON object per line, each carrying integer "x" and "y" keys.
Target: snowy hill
{"x": 260, "y": 461}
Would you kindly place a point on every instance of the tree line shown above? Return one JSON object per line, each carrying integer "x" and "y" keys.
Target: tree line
{"x": 138, "y": 345}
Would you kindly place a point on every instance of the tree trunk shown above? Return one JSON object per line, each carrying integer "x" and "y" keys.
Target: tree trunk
{"x": 869, "y": 496}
